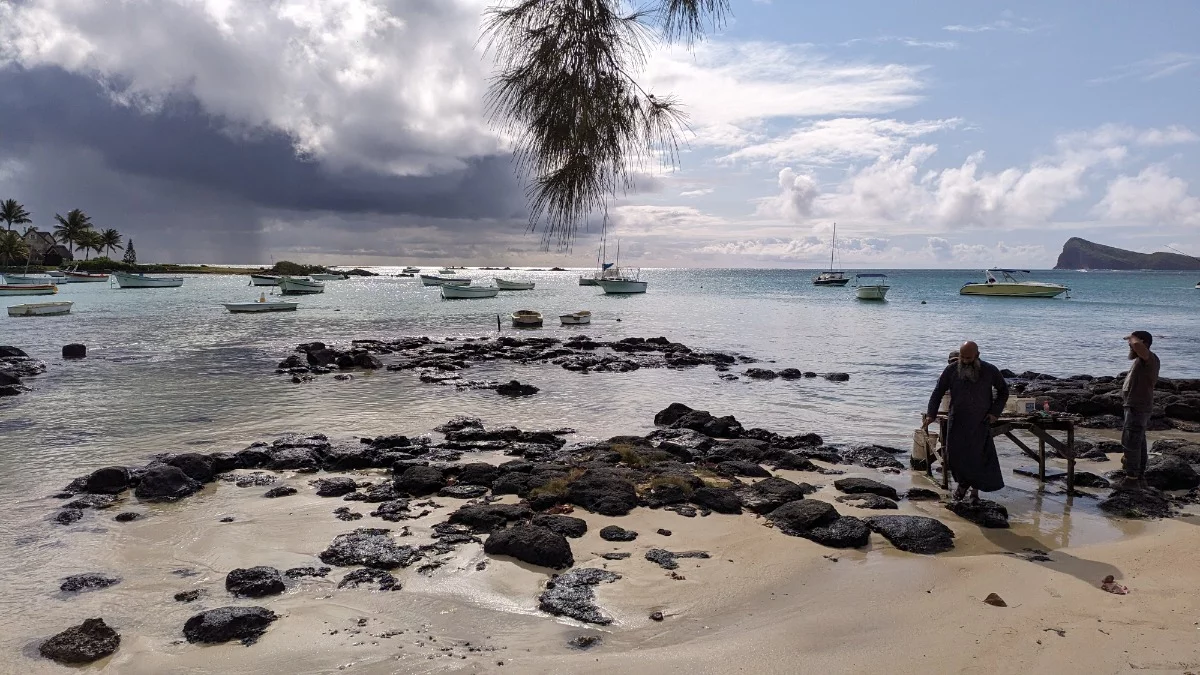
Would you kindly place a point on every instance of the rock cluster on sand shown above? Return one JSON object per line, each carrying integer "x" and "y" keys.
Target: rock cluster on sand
{"x": 571, "y": 595}
{"x": 1099, "y": 399}
{"x": 254, "y": 582}
{"x": 532, "y": 544}
{"x": 914, "y": 534}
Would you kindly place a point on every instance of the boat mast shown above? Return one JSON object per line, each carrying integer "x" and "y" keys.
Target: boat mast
{"x": 833, "y": 247}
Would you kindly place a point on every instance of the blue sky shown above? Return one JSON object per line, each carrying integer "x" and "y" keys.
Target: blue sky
{"x": 935, "y": 134}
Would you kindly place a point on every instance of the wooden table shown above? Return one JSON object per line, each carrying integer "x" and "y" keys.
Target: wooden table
{"x": 1039, "y": 425}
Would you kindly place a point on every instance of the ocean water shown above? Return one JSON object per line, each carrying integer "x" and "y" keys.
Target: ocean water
{"x": 169, "y": 370}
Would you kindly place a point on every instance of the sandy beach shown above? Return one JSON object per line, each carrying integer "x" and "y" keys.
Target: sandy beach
{"x": 762, "y": 603}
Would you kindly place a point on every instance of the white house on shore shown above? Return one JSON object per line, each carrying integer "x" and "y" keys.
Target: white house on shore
{"x": 44, "y": 250}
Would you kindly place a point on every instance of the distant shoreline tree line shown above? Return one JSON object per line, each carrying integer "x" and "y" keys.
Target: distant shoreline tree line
{"x": 75, "y": 231}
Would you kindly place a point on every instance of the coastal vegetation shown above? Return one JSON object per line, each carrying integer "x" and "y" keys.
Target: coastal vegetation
{"x": 567, "y": 92}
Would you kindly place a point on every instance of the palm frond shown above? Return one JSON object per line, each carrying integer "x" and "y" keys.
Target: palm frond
{"x": 566, "y": 91}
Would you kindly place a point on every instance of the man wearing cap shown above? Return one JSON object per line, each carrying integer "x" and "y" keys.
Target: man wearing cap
{"x": 1138, "y": 393}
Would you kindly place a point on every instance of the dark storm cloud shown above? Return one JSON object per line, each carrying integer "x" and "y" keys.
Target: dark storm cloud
{"x": 48, "y": 107}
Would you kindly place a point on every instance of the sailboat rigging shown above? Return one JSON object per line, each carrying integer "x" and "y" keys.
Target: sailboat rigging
{"x": 832, "y": 277}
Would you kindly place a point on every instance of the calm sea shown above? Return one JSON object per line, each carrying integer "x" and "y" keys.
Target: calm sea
{"x": 170, "y": 369}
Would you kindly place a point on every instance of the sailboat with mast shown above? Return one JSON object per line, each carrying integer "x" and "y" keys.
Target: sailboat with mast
{"x": 604, "y": 269}
{"x": 832, "y": 277}
{"x": 622, "y": 283}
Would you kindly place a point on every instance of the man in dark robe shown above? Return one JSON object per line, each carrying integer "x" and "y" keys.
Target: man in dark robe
{"x": 974, "y": 406}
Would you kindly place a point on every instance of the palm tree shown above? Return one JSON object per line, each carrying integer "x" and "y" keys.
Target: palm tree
{"x": 70, "y": 229}
{"x": 89, "y": 241}
{"x": 12, "y": 213}
{"x": 12, "y": 247}
{"x": 110, "y": 239}
{"x": 566, "y": 92}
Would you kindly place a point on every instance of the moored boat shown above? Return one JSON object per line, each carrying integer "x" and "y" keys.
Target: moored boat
{"x": 871, "y": 286}
{"x": 127, "y": 280}
{"x": 623, "y": 286}
{"x": 77, "y": 277}
{"x": 580, "y": 318}
{"x": 832, "y": 277}
{"x": 513, "y": 285}
{"x": 464, "y": 292}
{"x": 264, "y": 280}
{"x": 588, "y": 280}
{"x": 44, "y": 289}
{"x": 411, "y": 270}
{"x": 28, "y": 280}
{"x": 332, "y": 276}
{"x": 41, "y": 309}
{"x": 261, "y": 305}
{"x": 526, "y": 318}
{"x": 446, "y": 270}
{"x": 427, "y": 280}
{"x": 300, "y": 286}
{"x": 1004, "y": 283}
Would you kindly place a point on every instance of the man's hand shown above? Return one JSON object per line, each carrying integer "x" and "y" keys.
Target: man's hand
{"x": 925, "y": 423}
{"x": 992, "y": 419}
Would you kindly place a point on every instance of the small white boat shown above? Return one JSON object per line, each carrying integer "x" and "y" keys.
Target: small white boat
{"x": 513, "y": 285}
{"x": 329, "y": 277}
{"x": 300, "y": 286}
{"x": 427, "y": 280}
{"x": 446, "y": 270}
{"x": 871, "y": 286}
{"x": 41, "y": 309}
{"x": 411, "y": 270}
{"x": 44, "y": 289}
{"x": 623, "y": 286}
{"x": 1007, "y": 285}
{"x": 526, "y": 318}
{"x": 264, "y": 280}
{"x": 454, "y": 292}
{"x": 588, "y": 280}
{"x": 261, "y": 305}
{"x": 581, "y": 318}
{"x": 127, "y": 280}
{"x": 25, "y": 280}
{"x": 77, "y": 277}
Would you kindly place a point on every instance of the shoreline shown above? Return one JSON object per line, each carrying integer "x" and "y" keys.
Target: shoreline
{"x": 483, "y": 606}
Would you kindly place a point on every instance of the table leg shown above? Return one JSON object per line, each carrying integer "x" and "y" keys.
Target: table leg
{"x": 1041, "y": 461}
{"x": 1070, "y": 460}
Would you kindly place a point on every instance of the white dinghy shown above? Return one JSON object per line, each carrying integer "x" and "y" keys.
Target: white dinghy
{"x": 300, "y": 286}
{"x": 41, "y": 309}
{"x": 453, "y": 292}
{"x": 513, "y": 285}
{"x": 127, "y": 280}
{"x": 580, "y": 318}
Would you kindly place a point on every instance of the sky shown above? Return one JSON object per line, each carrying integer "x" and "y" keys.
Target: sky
{"x": 936, "y": 134}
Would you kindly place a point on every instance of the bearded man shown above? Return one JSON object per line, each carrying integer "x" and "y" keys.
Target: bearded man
{"x": 978, "y": 393}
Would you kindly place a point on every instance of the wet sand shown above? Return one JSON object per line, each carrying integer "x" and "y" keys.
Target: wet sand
{"x": 763, "y": 603}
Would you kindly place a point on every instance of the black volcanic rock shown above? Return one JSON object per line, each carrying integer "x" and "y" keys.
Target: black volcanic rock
{"x": 89, "y": 641}
{"x": 223, "y": 624}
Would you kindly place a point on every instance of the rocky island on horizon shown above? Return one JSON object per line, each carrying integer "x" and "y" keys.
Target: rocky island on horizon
{"x": 1081, "y": 254}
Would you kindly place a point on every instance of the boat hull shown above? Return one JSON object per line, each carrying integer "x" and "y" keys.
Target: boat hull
{"x": 260, "y": 307}
{"x": 871, "y": 292}
{"x": 576, "y": 319}
{"x": 139, "y": 281}
{"x": 47, "y": 289}
{"x": 41, "y": 309}
{"x": 1019, "y": 290}
{"x": 288, "y": 286}
{"x": 328, "y": 277}
{"x": 513, "y": 285}
{"x": 589, "y": 281}
{"x": 526, "y": 318}
{"x": 830, "y": 282}
{"x": 80, "y": 277}
{"x": 452, "y": 292}
{"x": 19, "y": 280}
{"x": 263, "y": 280}
{"x": 623, "y": 286}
